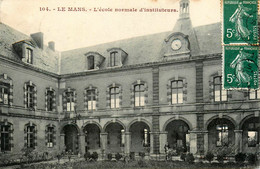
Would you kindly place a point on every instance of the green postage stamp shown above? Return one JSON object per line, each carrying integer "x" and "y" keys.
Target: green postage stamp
{"x": 240, "y": 24}
{"x": 240, "y": 67}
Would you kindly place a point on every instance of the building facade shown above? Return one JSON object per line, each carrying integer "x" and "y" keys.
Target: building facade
{"x": 132, "y": 95}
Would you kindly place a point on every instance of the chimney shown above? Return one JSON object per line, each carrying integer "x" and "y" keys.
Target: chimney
{"x": 38, "y": 38}
{"x": 51, "y": 45}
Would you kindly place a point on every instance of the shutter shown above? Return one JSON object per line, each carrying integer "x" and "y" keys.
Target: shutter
{"x": 25, "y": 96}
{"x": 132, "y": 99}
{"x": 35, "y": 97}
{"x": 96, "y": 92}
{"x": 64, "y": 99}
{"x": 120, "y": 96}
{"x": 54, "y": 137}
{"x": 108, "y": 98}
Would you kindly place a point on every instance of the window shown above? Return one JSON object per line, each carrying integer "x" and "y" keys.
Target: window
{"x": 31, "y": 136}
{"x": 177, "y": 91}
{"x": 114, "y": 97}
{"x": 113, "y": 59}
{"x": 30, "y": 96}
{"x": 29, "y": 56}
{"x": 5, "y": 138}
{"x": 50, "y": 136}
{"x": 252, "y": 134}
{"x": 219, "y": 93}
{"x": 91, "y": 96}
{"x": 70, "y": 101}
{"x": 222, "y": 135}
{"x": 4, "y": 93}
{"x": 50, "y": 100}
{"x": 91, "y": 62}
{"x": 254, "y": 94}
{"x": 139, "y": 95}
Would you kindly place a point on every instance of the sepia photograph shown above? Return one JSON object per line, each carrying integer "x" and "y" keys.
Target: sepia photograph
{"x": 129, "y": 84}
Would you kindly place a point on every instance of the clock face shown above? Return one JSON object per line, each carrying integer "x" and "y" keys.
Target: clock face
{"x": 176, "y": 44}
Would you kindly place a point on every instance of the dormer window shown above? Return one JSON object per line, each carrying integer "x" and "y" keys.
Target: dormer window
{"x": 29, "y": 55}
{"x": 91, "y": 62}
{"x": 24, "y": 49}
{"x": 116, "y": 57}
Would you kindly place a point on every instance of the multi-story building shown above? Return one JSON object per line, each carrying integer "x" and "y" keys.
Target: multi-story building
{"x": 132, "y": 95}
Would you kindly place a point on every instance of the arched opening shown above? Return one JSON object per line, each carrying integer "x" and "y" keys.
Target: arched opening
{"x": 71, "y": 138}
{"x": 92, "y": 137}
{"x": 250, "y": 135}
{"x": 140, "y": 137}
{"x": 178, "y": 137}
{"x": 221, "y": 135}
{"x": 115, "y": 137}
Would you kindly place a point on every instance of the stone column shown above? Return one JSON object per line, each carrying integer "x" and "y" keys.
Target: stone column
{"x": 206, "y": 142}
{"x": 103, "y": 139}
{"x": 82, "y": 144}
{"x": 127, "y": 142}
{"x": 238, "y": 141}
{"x": 151, "y": 143}
{"x": 193, "y": 142}
{"x": 62, "y": 142}
{"x": 163, "y": 141}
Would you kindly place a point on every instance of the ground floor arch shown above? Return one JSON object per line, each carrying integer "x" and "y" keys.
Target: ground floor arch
{"x": 71, "y": 138}
{"x": 178, "y": 137}
{"x": 115, "y": 137}
{"x": 221, "y": 135}
{"x": 92, "y": 137}
{"x": 140, "y": 137}
{"x": 250, "y": 134}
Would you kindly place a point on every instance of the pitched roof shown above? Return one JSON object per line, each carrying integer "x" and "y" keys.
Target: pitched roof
{"x": 144, "y": 49}
{"x": 45, "y": 59}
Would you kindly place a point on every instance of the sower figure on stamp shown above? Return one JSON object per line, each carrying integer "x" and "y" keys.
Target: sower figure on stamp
{"x": 243, "y": 64}
{"x": 238, "y": 19}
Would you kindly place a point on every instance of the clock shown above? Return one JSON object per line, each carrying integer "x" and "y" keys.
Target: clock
{"x": 176, "y": 44}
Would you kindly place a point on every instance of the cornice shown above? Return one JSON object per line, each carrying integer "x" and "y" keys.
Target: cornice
{"x": 28, "y": 66}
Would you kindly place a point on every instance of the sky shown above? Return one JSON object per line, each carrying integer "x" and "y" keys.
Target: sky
{"x": 76, "y": 29}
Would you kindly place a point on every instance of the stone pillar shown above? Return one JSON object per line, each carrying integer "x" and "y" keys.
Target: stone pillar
{"x": 62, "y": 141}
{"x": 238, "y": 141}
{"x": 193, "y": 142}
{"x": 82, "y": 144}
{"x": 206, "y": 142}
{"x": 163, "y": 141}
{"x": 151, "y": 143}
{"x": 103, "y": 139}
{"x": 127, "y": 143}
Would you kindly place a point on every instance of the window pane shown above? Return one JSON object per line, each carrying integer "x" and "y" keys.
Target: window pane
{"x": 174, "y": 98}
{"x": 142, "y": 101}
{"x": 174, "y": 84}
{"x": 137, "y": 101}
{"x": 224, "y": 95}
{"x": 180, "y": 84}
{"x": 117, "y": 103}
{"x": 68, "y": 107}
{"x": 5, "y": 98}
{"x": 72, "y": 106}
{"x": 217, "y": 95}
{"x": 180, "y": 96}
{"x": 112, "y": 103}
